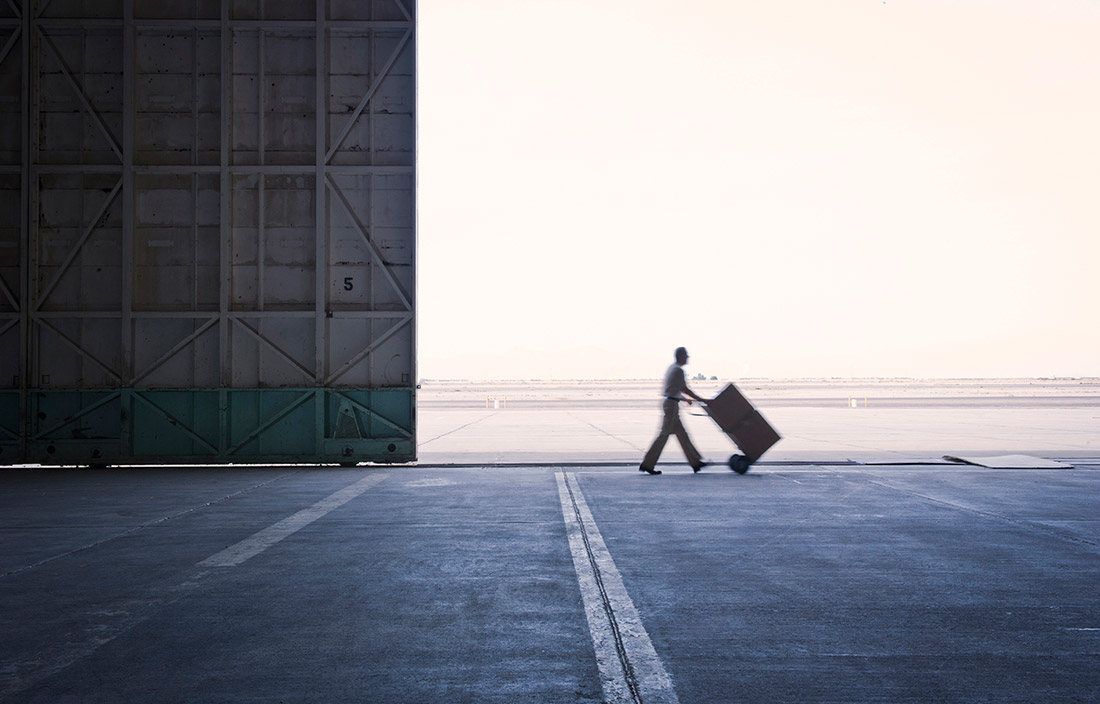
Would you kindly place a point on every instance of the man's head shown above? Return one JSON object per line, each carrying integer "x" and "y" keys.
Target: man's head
{"x": 681, "y": 355}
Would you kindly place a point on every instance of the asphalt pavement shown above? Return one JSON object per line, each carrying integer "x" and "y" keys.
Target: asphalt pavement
{"x": 799, "y": 583}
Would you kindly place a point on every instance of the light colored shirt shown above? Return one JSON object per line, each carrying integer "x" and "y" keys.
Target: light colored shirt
{"x": 675, "y": 382}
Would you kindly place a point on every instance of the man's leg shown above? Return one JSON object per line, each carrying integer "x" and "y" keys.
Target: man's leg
{"x": 654, "y": 452}
{"x": 693, "y": 456}
{"x": 667, "y": 423}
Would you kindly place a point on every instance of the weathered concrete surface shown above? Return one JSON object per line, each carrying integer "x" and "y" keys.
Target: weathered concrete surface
{"x": 905, "y": 419}
{"x": 789, "y": 584}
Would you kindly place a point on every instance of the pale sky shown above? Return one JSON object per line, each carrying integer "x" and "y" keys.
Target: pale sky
{"x": 790, "y": 189}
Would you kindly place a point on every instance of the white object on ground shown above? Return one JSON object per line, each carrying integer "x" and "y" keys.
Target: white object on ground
{"x": 1011, "y": 462}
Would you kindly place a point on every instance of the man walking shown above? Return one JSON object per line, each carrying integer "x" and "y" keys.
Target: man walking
{"x": 675, "y": 389}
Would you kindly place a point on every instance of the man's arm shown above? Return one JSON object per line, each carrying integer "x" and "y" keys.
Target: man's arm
{"x": 687, "y": 391}
{"x": 693, "y": 395}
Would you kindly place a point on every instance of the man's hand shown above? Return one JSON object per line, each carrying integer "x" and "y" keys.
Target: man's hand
{"x": 689, "y": 401}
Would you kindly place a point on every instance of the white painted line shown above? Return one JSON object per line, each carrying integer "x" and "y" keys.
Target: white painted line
{"x": 630, "y": 670}
{"x": 1081, "y": 629}
{"x": 254, "y": 545}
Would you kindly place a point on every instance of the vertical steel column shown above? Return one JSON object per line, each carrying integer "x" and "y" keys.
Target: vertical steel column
{"x": 261, "y": 194}
{"x": 24, "y": 235}
{"x": 82, "y": 335}
{"x": 78, "y": 271}
{"x": 414, "y": 382}
{"x": 226, "y": 195}
{"x": 369, "y": 177}
{"x": 321, "y": 237}
{"x": 32, "y": 371}
{"x": 261, "y": 199}
{"x": 195, "y": 178}
{"x": 129, "y": 112}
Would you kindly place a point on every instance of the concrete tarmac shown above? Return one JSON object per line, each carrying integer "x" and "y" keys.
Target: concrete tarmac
{"x": 467, "y": 422}
{"x": 808, "y": 583}
{"x": 583, "y": 434}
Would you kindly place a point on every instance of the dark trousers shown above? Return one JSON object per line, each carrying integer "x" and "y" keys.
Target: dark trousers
{"x": 671, "y": 425}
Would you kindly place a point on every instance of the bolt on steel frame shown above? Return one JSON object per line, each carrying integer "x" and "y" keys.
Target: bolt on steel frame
{"x": 207, "y": 231}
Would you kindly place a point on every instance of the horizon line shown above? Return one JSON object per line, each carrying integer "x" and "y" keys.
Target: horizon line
{"x": 772, "y": 378}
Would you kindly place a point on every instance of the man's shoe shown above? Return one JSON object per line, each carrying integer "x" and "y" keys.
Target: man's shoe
{"x": 698, "y": 467}
{"x": 648, "y": 470}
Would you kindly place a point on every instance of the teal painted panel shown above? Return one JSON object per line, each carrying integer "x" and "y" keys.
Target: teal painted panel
{"x": 211, "y": 426}
{"x": 382, "y": 451}
{"x": 273, "y": 422}
{"x": 376, "y": 413}
{"x": 175, "y": 423}
{"x": 10, "y": 430}
{"x": 74, "y": 427}
{"x": 75, "y": 415}
{"x": 9, "y": 416}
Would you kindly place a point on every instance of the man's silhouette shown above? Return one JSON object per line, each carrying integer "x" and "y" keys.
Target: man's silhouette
{"x": 675, "y": 389}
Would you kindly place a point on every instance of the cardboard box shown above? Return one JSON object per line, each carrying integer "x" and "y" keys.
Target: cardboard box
{"x": 746, "y": 427}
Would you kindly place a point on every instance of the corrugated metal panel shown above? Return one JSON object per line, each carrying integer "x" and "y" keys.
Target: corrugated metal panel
{"x": 164, "y": 175}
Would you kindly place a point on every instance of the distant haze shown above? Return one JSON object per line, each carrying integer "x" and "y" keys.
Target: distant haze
{"x": 804, "y": 188}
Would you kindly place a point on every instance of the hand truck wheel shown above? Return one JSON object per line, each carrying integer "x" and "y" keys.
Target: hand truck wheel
{"x": 739, "y": 463}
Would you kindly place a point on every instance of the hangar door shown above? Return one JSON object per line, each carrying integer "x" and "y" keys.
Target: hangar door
{"x": 207, "y": 231}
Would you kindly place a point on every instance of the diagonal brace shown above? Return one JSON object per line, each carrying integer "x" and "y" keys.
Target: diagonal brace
{"x": 82, "y": 412}
{"x": 11, "y": 324}
{"x": 366, "y": 98}
{"x": 370, "y": 348}
{"x": 79, "y": 245}
{"x": 175, "y": 350}
{"x": 404, "y": 11}
{"x": 80, "y": 94}
{"x": 83, "y": 352}
{"x": 404, "y": 432}
{"x": 11, "y": 43}
{"x": 9, "y": 295}
{"x": 272, "y": 421}
{"x": 273, "y": 346}
{"x": 375, "y": 253}
{"x": 176, "y": 422}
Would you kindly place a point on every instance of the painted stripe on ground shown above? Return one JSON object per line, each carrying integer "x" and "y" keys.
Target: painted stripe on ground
{"x": 630, "y": 670}
{"x": 254, "y": 545}
{"x": 150, "y": 524}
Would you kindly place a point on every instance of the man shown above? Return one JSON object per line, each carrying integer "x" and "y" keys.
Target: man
{"x": 675, "y": 389}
